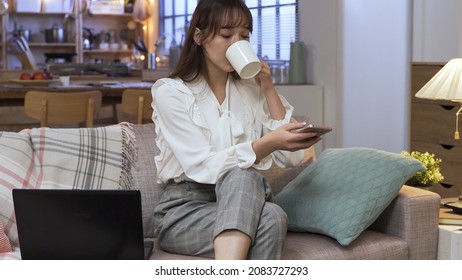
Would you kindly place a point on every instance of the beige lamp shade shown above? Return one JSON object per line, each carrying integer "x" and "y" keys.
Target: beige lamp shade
{"x": 446, "y": 84}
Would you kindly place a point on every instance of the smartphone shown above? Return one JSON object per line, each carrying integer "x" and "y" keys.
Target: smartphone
{"x": 318, "y": 129}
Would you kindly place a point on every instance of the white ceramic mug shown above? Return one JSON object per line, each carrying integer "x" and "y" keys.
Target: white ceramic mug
{"x": 65, "y": 80}
{"x": 243, "y": 59}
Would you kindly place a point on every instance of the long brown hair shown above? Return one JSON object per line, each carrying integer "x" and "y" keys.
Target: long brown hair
{"x": 209, "y": 16}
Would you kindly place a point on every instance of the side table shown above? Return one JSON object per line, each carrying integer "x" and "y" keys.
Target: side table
{"x": 450, "y": 236}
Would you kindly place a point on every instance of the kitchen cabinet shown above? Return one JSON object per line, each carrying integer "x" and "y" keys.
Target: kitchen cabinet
{"x": 112, "y": 28}
{"x": 107, "y": 37}
{"x": 432, "y": 130}
{"x": 38, "y": 25}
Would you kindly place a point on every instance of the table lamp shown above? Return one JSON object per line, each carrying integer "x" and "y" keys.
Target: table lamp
{"x": 446, "y": 85}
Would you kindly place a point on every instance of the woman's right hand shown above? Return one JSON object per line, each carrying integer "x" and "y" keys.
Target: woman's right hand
{"x": 285, "y": 139}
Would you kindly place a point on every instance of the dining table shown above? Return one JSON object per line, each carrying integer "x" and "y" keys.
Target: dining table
{"x": 12, "y": 92}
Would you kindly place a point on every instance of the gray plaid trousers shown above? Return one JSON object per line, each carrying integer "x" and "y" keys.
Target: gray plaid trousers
{"x": 190, "y": 215}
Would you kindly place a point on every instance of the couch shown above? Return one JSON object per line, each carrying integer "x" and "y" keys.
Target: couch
{"x": 406, "y": 229}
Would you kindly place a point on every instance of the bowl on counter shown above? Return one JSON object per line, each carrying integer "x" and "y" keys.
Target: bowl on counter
{"x": 114, "y": 46}
{"x": 103, "y": 46}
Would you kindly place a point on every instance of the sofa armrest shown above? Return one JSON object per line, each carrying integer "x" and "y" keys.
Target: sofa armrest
{"x": 413, "y": 216}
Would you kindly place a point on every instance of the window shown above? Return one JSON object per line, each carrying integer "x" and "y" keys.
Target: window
{"x": 174, "y": 18}
{"x": 275, "y": 24}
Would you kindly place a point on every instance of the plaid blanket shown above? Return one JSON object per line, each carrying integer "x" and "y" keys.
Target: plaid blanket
{"x": 84, "y": 158}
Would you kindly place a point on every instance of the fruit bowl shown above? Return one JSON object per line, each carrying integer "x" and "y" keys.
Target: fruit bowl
{"x": 35, "y": 78}
{"x": 34, "y": 82}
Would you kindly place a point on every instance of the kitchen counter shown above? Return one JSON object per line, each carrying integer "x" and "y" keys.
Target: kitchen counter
{"x": 12, "y": 92}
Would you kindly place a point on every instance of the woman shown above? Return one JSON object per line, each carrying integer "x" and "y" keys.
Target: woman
{"x": 214, "y": 130}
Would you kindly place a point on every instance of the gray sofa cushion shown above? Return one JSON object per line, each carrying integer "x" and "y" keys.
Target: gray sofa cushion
{"x": 145, "y": 176}
{"x": 370, "y": 245}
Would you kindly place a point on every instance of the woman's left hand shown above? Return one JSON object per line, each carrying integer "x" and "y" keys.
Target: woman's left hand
{"x": 263, "y": 78}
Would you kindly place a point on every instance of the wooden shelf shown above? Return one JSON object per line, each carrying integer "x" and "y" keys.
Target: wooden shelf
{"x": 71, "y": 14}
{"x": 107, "y": 51}
{"x": 77, "y": 21}
{"x": 47, "y": 45}
{"x": 108, "y": 15}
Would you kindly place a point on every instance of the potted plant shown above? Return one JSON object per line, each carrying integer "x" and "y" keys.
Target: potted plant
{"x": 432, "y": 175}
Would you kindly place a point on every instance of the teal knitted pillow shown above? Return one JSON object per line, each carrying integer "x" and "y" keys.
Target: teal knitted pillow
{"x": 344, "y": 191}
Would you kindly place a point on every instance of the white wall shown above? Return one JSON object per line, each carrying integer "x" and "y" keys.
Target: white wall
{"x": 437, "y": 30}
{"x": 376, "y": 59}
{"x": 319, "y": 30}
{"x": 362, "y": 59}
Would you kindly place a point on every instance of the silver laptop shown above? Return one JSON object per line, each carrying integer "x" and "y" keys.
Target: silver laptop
{"x": 80, "y": 224}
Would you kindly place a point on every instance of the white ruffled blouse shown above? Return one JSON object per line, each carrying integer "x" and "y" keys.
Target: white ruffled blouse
{"x": 200, "y": 139}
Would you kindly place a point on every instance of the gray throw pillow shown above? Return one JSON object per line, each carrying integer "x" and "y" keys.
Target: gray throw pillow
{"x": 344, "y": 191}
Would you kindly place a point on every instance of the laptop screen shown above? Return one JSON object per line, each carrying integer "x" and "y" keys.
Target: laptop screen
{"x": 79, "y": 224}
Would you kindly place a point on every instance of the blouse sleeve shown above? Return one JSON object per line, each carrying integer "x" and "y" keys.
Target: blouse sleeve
{"x": 281, "y": 158}
{"x": 185, "y": 137}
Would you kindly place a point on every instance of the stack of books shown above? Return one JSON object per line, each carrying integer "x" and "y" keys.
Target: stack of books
{"x": 447, "y": 217}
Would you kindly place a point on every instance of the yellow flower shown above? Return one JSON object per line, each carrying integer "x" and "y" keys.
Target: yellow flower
{"x": 432, "y": 174}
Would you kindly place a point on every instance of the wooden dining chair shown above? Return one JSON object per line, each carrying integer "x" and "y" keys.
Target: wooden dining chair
{"x": 137, "y": 102}
{"x": 61, "y": 108}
